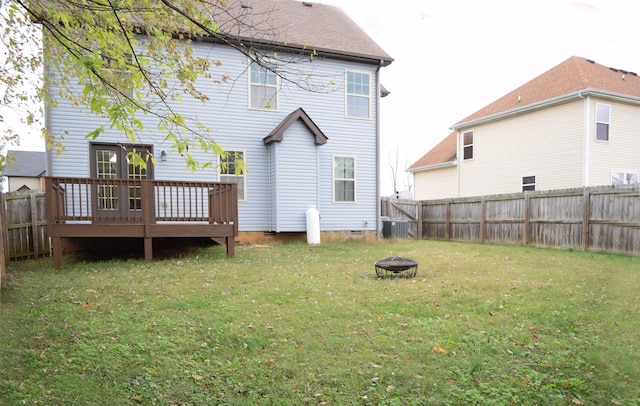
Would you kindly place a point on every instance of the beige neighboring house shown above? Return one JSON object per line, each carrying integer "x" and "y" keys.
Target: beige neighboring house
{"x": 25, "y": 171}
{"x": 576, "y": 125}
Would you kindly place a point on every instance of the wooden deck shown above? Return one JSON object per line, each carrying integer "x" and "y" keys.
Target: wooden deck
{"x": 90, "y": 207}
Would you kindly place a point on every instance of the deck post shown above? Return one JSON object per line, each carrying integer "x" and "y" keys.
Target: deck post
{"x": 57, "y": 251}
{"x": 148, "y": 216}
{"x": 148, "y": 249}
{"x": 231, "y": 246}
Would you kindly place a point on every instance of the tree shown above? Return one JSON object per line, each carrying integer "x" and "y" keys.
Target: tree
{"x": 394, "y": 164}
{"x": 131, "y": 58}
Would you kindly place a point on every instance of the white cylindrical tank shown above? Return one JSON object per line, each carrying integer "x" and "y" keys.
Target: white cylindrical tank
{"x": 313, "y": 226}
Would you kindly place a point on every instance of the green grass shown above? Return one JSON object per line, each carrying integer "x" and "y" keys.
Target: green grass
{"x": 291, "y": 324}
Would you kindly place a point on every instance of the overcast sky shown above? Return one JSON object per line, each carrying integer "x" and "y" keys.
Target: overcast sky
{"x": 453, "y": 57}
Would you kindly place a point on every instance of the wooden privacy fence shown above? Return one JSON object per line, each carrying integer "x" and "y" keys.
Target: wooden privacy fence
{"x": 25, "y": 225}
{"x": 603, "y": 218}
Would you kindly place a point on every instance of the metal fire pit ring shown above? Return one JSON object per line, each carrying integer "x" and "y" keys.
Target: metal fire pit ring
{"x": 396, "y": 267}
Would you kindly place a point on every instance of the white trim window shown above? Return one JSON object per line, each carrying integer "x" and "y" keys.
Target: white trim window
{"x": 624, "y": 178}
{"x": 358, "y": 94}
{"x": 263, "y": 88}
{"x": 528, "y": 183}
{"x": 229, "y": 171}
{"x": 603, "y": 121}
{"x": 467, "y": 145}
{"x": 344, "y": 179}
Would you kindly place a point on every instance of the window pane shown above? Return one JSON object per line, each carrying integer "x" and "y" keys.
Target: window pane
{"x": 358, "y": 94}
{"x": 468, "y": 152}
{"x": 358, "y": 106}
{"x": 228, "y": 167}
{"x": 345, "y": 191}
{"x": 602, "y": 113}
{"x": 264, "y": 88}
{"x": 468, "y": 138}
{"x": 602, "y": 132}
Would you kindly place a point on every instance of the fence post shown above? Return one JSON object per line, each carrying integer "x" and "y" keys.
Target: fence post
{"x": 3, "y": 240}
{"x": 447, "y": 221}
{"x": 527, "y": 217}
{"x": 483, "y": 218}
{"x": 586, "y": 211}
{"x": 419, "y": 220}
{"x": 34, "y": 225}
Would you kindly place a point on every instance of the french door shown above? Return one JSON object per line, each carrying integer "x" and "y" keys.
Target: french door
{"x": 119, "y": 198}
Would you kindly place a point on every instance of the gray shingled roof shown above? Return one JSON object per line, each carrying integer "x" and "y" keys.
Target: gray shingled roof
{"x": 291, "y": 24}
{"x": 26, "y": 164}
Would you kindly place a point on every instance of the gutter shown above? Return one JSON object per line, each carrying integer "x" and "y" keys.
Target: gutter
{"x": 380, "y": 60}
{"x": 434, "y": 166}
{"x": 378, "y": 204}
{"x": 586, "y": 150}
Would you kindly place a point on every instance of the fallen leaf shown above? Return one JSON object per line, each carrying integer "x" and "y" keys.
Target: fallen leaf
{"x": 440, "y": 350}
{"x": 576, "y": 401}
{"x": 87, "y": 306}
{"x": 372, "y": 365}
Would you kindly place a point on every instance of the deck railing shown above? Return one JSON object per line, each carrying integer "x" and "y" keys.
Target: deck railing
{"x": 73, "y": 202}
{"x": 138, "y": 201}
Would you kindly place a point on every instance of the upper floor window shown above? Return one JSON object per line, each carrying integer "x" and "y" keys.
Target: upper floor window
{"x": 230, "y": 171}
{"x": 263, "y": 88}
{"x": 467, "y": 151}
{"x": 528, "y": 183}
{"x": 603, "y": 113}
{"x": 344, "y": 179}
{"x": 358, "y": 94}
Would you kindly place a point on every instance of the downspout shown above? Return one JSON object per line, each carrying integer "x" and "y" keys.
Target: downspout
{"x": 378, "y": 197}
{"x": 458, "y": 167}
{"x": 318, "y": 181}
{"x": 585, "y": 152}
{"x": 47, "y": 116}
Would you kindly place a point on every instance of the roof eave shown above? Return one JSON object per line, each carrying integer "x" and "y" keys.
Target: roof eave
{"x": 433, "y": 167}
{"x": 544, "y": 104}
{"x": 382, "y": 60}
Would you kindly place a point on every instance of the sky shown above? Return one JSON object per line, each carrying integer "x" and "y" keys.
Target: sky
{"x": 453, "y": 57}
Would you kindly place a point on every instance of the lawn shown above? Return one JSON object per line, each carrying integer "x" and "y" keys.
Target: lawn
{"x": 287, "y": 324}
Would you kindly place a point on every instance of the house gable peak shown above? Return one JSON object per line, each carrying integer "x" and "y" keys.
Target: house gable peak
{"x": 277, "y": 134}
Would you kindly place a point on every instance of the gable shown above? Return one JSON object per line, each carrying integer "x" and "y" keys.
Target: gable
{"x": 277, "y": 135}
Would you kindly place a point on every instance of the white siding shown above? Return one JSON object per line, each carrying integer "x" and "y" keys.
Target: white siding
{"x": 236, "y": 127}
{"x": 622, "y": 152}
{"x": 546, "y": 143}
{"x": 436, "y": 183}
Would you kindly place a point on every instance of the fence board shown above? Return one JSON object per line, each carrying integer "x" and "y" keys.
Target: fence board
{"x": 26, "y": 225}
{"x": 604, "y": 218}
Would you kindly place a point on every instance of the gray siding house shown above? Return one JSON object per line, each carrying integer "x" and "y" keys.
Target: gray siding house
{"x": 301, "y": 148}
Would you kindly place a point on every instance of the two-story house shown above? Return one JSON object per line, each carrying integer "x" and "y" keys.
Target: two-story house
{"x": 575, "y": 125}
{"x": 301, "y": 147}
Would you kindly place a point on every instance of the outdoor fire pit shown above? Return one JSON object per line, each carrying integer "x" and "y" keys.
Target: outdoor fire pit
{"x": 396, "y": 267}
